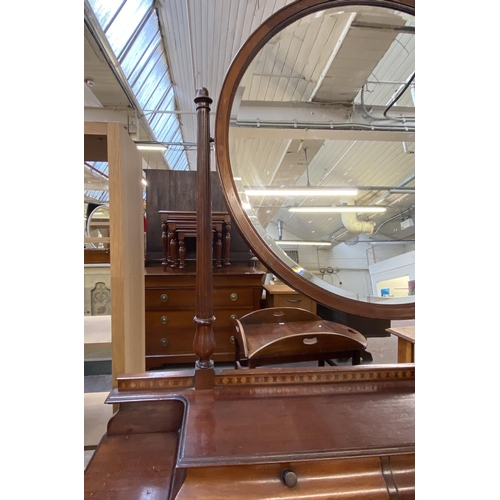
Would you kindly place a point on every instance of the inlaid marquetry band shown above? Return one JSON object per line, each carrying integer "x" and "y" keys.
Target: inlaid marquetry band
{"x": 267, "y": 383}
{"x": 156, "y": 383}
{"x": 315, "y": 377}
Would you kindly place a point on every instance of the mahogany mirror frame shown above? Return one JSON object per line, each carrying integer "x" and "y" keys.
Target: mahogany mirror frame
{"x": 274, "y": 24}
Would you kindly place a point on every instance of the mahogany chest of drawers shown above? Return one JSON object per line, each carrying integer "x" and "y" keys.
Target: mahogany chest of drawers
{"x": 170, "y": 298}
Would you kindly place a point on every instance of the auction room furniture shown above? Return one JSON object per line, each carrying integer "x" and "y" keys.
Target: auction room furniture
{"x": 179, "y": 225}
{"x": 406, "y": 342}
{"x": 170, "y": 309}
{"x": 283, "y": 433}
{"x": 284, "y": 296}
{"x": 289, "y": 334}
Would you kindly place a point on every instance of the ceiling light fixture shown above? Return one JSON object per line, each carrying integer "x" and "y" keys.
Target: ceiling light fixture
{"x": 338, "y": 209}
{"x": 302, "y": 242}
{"x": 300, "y": 191}
{"x": 151, "y": 147}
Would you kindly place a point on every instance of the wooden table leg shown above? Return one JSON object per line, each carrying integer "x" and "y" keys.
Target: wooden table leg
{"x": 182, "y": 250}
{"x": 405, "y": 351}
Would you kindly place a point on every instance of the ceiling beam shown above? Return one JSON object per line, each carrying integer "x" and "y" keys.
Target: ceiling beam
{"x": 320, "y": 122}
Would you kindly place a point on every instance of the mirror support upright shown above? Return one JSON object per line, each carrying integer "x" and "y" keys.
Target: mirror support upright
{"x": 204, "y": 340}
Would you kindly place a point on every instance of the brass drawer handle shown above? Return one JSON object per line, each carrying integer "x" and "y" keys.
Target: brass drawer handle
{"x": 294, "y": 300}
{"x": 164, "y": 297}
{"x": 164, "y": 320}
{"x": 233, "y": 297}
{"x": 233, "y": 317}
{"x": 289, "y": 478}
{"x": 231, "y": 339}
{"x": 164, "y": 342}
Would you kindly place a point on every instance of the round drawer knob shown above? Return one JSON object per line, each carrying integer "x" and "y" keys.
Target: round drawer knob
{"x": 164, "y": 320}
{"x": 233, "y": 317}
{"x": 233, "y": 297}
{"x": 231, "y": 339}
{"x": 164, "y": 342}
{"x": 164, "y": 297}
{"x": 289, "y": 478}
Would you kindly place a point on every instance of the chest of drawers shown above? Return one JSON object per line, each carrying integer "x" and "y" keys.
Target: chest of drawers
{"x": 170, "y": 298}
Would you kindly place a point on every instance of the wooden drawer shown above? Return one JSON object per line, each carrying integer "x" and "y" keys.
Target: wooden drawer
{"x": 284, "y": 296}
{"x": 166, "y": 299}
{"x": 170, "y": 342}
{"x": 233, "y": 296}
{"x": 293, "y": 300}
{"x": 180, "y": 341}
{"x": 168, "y": 320}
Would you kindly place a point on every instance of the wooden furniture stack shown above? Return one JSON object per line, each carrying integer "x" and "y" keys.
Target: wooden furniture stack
{"x": 179, "y": 225}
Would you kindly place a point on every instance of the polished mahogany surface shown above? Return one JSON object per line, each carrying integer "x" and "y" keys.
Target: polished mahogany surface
{"x": 332, "y": 432}
{"x": 258, "y": 428}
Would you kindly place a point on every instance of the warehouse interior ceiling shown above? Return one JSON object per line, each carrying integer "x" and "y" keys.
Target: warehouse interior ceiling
{"x": 327, "y": 102}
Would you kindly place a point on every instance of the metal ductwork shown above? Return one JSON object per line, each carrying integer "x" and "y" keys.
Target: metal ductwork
{"x": 353, "y": 225}
{"x": 280, "y": 229}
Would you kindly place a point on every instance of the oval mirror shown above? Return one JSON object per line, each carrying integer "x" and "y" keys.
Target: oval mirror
{"x": 315, "y": 147}
{"x": 97, "y": 227}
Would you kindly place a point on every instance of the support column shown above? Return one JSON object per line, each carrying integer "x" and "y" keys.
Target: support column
{"x": 204, "y": 341}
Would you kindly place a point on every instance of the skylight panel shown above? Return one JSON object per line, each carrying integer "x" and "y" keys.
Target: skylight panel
{"x": 105, "y": 10}
{"x": 119, "y": 33}
{"x": 138, "y": 53}
{"x": 133, "y": 32}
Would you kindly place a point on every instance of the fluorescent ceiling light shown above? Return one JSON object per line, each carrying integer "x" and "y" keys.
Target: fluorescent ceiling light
{"x": 338, "y": 209}
{"x": 301, "y": 191}
{"x": 301, "y": 242}
{"x": 151, "y": 147}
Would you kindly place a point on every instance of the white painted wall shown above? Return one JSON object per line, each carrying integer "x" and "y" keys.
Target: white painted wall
{"x": 395, "y": 267}
{"x": 352, "y": 264}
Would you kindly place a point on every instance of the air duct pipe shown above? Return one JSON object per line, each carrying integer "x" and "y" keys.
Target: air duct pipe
{"x": 352, "y": 224}
{"x": 280, "y": 229}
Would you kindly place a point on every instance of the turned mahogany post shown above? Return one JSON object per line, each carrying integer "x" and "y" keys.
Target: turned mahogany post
{"x": 164, "y": 241}
{"x": 204, "y": 341}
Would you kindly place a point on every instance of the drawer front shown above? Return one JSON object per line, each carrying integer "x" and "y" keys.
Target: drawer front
{"x": 172, "y": 342}
{"x": 234, "y": 296}
{"x": 293, "y": 300}
{"x": 168, "y": 320}
{"x": 181, "y": 341}
{"x": 172, "y": 299}
{"x": 168, "y": 299}
{"x": 171, "y": 320}
{"x": 224, "y": 317}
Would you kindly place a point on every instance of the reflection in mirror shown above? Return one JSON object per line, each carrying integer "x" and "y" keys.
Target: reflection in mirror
{"x": 322, "y": 149}
{"x": 97, "y": 228}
